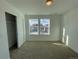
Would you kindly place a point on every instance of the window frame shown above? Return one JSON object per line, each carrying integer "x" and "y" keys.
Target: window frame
{"x": 39, "y": 33}
{"x": 48, "y": 27}
{"x": 29, "y": 28}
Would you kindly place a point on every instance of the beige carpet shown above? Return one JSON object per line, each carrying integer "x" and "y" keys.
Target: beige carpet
{"x": 43, "y": 50}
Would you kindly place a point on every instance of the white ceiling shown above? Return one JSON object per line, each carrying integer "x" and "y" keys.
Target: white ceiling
{"x": 37, "y": 7}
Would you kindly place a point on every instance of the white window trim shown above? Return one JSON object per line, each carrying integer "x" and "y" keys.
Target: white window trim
{"x": 30, "y": 33}
{"x": 38, "y": 33}
{"x": 48, "y": 28}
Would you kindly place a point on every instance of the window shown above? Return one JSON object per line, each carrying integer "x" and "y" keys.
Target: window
{"x": 39, "y": 26}
{"x": 44, "y": 26}
{"x": 33, "y": 26}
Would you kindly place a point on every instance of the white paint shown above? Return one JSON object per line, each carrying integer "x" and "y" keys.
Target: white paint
{"x": 63, "y": 38}
{"x": 39, "y": 7}
{"x": 63, "y": 31}
{"x": 4, "y": 48}
{"x": 67, "y": 40}
{"x": 70, "y": 23}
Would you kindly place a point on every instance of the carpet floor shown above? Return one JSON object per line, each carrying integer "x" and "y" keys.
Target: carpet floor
{"x": 43, "y": 50}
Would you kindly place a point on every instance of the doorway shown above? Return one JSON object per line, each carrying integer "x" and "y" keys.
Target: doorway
{"x": 11, "y": 31}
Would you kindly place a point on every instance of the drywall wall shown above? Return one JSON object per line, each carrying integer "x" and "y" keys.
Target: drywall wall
{"x": 55, "y": 21}
{"x": 4, "y": 48}
{"x": 70, "y": 23}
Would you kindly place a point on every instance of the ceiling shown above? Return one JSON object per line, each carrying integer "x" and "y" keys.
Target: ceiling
{"x": 38, "y": 7}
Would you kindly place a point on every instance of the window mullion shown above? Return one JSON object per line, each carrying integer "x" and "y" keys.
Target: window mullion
{"x": 39, "y": 25}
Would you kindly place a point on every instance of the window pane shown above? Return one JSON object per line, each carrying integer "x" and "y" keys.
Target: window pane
{"x": 44, "y": 26}
{"x": 33, "y": 26}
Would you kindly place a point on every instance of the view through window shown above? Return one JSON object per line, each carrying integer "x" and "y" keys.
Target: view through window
{"x": 39, "y": 26}
{"x": 44, "y": 26}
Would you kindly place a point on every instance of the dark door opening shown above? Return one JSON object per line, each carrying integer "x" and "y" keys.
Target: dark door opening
{"x": 11, "y": 30}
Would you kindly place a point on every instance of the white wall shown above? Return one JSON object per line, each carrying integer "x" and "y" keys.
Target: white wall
{"x": 4, "y": 6}
{"x": 70, "y": 23}
{"x": 55, "y": 21}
